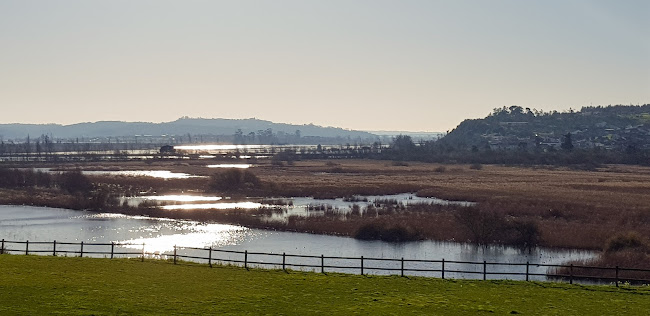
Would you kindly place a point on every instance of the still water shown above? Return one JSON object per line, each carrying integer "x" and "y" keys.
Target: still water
{"x": 164, "y": 174}
{"x": 20, "y": 223}
{"x": 292, "y": 206}
{"x": 231, "y": 166}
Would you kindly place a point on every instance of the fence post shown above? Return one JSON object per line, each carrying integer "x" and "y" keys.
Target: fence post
{"x": 361, "y": 265}
{"x": 246, "y": 259}
{"x": 527, "y": 267}
{"x": 27, "y": 247}
{"x": 616, "y": 276}
{"x": 54, "y": 248}
{"x": 571, "y": 274}
{"x": 402, "y": 268}
{"x": 142, "y": 252}
{"x": 283, "y": 262}
{"x": 322, "y": 264}
{"x": 174, "y": 254}
{"x": 2, "y": 249}
{"x": 112, "y": 248}
{"x": 443, "y": 268}
{"x": 210, "y": 257}
{"x": 484, "y": 270}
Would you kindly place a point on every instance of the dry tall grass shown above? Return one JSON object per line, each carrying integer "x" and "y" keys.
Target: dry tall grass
{"x": 571, "y": 208}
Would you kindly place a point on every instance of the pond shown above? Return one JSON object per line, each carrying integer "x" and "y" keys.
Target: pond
{"x": 231, "y": 166}
{"x": 164, "y": 174}
{"x": 293, "y": 206}
{"x": 20, "y": 223}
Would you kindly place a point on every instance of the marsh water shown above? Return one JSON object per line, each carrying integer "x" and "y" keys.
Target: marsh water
{"x": 159, "y": 236}
{"x": 292, "y": 206}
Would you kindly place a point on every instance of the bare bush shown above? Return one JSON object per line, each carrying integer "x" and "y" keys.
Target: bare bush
{"x": 381, "y": 231}
{"x": 234, "y": 180}
{"x": 627, "y": 241}
{"x": 75, "y": 182}
{"x": 484, "y": 226}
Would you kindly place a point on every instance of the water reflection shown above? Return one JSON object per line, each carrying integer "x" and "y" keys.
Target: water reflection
{"x": 213, "y": 235}
{"x": 165, "y": 174}
{"x": 241, "y": 148}
{"x": 364, "y": 201}
{"x": 299, "y": 206}
{"x": 220, "y": 147}
{"x": 182, "y": 198}
{"x": 224, "y": 165}
{"x": 22, "y": 223}
{"x": 217, "y": 206}
{"x": 159, "y": 236}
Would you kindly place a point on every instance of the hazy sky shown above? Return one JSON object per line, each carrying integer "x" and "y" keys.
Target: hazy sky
{"x": 373, "y": 65}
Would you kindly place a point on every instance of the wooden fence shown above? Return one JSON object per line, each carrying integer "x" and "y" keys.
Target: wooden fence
{"x": 358, "y": 265}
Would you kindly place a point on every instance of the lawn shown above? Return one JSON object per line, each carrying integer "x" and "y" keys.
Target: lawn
{"x": 85, "y": 286}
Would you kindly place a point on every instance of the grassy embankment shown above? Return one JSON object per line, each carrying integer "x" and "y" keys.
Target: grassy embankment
{"x": 44, "y": 285}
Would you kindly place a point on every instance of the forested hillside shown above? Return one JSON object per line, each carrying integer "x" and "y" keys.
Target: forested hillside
{"x": 610, "y": 127}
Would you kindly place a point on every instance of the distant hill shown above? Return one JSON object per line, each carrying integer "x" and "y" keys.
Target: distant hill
{"x": 182, "y": 126}
{"x": 515, "y": 127}
{"x": 388, "y": 136}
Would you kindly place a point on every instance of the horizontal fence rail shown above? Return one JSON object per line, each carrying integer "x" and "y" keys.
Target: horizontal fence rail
{"x": 355, "y": 265}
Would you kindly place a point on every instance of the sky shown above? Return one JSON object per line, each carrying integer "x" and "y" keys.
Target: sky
{"x": 360, "y": 64}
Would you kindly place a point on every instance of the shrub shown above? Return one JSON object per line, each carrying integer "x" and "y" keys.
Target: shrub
{"x": 75, "y": 182}
{"x": 234, "y": 180}
{"x": 484, "y": 226}
{"x": 287, "y": 155}
{"x": 14, "y": 178}
{"x": 102, "y": 199}
{"x": 355, "y": 211}
{"x": 378, "y": 231}
{"x": 277, "y": 162}
{"x": 630, "y": 240}
{"x": 371, "y": 231}
{"x": 396, "y": 234}
{"x": 526, "y": 234}
{"x": 476, "y": 166}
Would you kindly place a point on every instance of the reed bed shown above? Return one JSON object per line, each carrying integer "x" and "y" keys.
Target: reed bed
{"x": 622, "y": 250}
{"x": 571, "y": 208}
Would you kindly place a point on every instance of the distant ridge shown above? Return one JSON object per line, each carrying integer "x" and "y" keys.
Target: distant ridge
{"x": 182, "y": 126}
{"x": 413, "y": 135}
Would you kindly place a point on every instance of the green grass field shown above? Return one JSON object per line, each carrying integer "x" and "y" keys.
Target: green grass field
{"x": 33, "y": 285}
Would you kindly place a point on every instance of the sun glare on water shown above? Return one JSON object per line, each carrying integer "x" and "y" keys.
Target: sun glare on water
{"x": 183, "y": 198}
{"x": 238, "y": 166}
{"x": 218, "y": 206}
{"x": 205, "y": 235}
